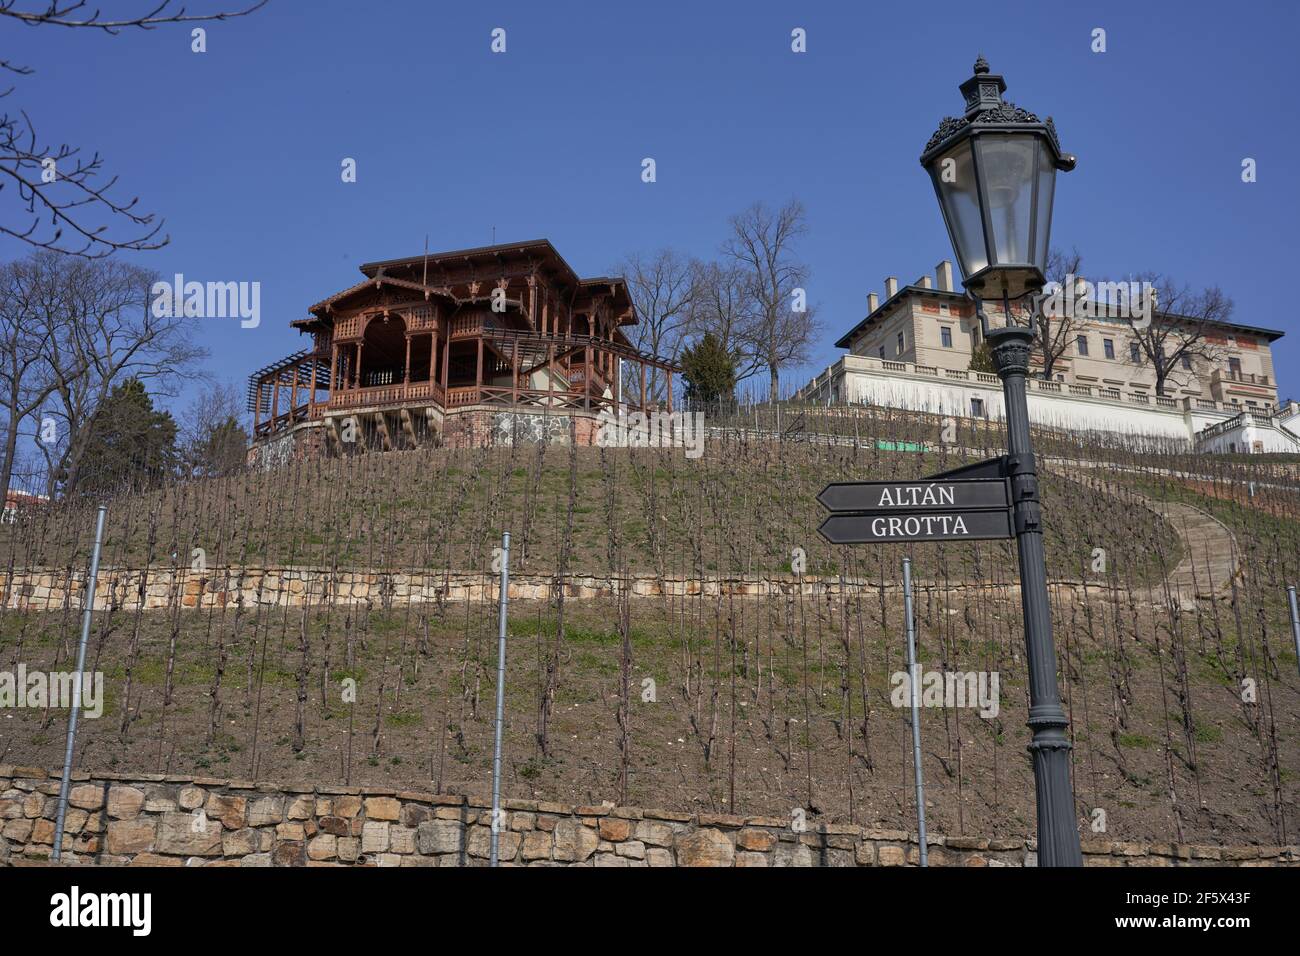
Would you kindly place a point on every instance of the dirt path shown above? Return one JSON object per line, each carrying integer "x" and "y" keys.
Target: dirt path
{"x": 1209, "y": 548}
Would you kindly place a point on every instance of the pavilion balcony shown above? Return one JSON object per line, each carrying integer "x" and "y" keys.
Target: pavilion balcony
{"x": 377, "y": 396}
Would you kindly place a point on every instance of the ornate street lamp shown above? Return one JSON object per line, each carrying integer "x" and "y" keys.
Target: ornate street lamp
{"x": 994, "y": 171}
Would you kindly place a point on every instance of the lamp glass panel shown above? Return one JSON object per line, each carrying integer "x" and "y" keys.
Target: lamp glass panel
{"x": 1046, "y": 191}
{"x": 1007, "y": 165}
{"x": 954, "y": 181}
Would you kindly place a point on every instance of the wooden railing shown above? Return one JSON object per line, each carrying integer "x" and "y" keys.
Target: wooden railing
{"x": 272, "y": 425}
{"x": 579, "y": 375}
{"x": 466, "y": 326}
{"x": 385, "y": 395}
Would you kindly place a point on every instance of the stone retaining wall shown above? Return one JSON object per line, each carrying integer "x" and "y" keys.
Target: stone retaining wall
{"x": 49, "y": 590}
{"x": 158, "y": 820}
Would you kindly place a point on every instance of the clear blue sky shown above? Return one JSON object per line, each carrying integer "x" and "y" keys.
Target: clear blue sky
{"x": 239, "y": 148}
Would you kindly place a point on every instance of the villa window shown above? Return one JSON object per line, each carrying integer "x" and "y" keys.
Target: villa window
{"x": 902, "y": 340}
{"x": 882, "y": 351}
{"x": 1134, "y": 354}
{"x": 1082, "y": 342}
{"x": 1187, "y": 361}
{"x": 977, "y": 408}
{"x": 1234, "y": 367}
{"x": 1108, "y": 345}
{"x": 945, "y": 336}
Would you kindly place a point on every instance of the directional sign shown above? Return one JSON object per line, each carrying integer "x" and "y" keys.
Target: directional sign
{"x": 970, "y": 503}
{"x": 951, "y": 526}
{"x": 915, "y": 496}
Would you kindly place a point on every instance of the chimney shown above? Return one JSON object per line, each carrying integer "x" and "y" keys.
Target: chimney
{"x": 943, "y": 275}
{"x": 925, "y": 283}
{"x": 873, "y": 302}
{"x": 891, "y": 286}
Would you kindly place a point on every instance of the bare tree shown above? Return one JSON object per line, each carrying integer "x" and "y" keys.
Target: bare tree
{"x": 724, "y": 306}
{"x": 63, "y": 203}
{"x": 1055, "y": 328}
{"x": 214, "y": 441}
{"x": 761, "y": 244}
{"x": 33, "y": 296}
{"x": 662, "y": 286}
{"x": 109, "y": 334}
{"x": 1184, "y": 330}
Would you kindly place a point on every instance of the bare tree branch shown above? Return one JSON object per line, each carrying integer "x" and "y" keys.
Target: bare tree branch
{"x": 724, "y": 305}
{"x": 1055, "y": 329}
{"x": 1184, "y": 331}
{"x": 62, "y": 15}
{"x": 53, "y": 200}
{"x": 761, "y": 243}
{"x": 662, "y": 287}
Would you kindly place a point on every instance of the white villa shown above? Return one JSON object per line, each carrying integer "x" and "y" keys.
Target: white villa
{"x": 913, "y": 350}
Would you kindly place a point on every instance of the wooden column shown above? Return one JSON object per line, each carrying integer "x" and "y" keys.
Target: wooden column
{"x": 357, "y": 373}
{"x": 478, "y": 373}
{"x": 446, "y": 358}
{"x": 275, "y": 399}
{"x": 550, "y": 371}
{"x": 406, "y": 376}
{"x": 293, "y": 391}
{"x": 586, "y": 379}
{"x": 433, "y": 358}
{"x": 643, "y": 408}
{"x": 514, "y": 372}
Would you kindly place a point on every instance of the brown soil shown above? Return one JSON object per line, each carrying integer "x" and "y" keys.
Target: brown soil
{"x": 772, "y": 690}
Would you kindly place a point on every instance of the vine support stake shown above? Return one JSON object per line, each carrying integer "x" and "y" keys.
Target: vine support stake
{"x": 914, "y": 677}
{"x": 1295, "y": 624}
{"x": 502, "y": 603}
{"x": 66, "y": 782}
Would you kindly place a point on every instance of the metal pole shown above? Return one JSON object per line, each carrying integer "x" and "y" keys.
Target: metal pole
{"x": 914, "y": 670}
{"x": 1295, "y": 623}
{"x": 1058, "y": 830}
{"x": 502, "y": 601}
{"x": 66, "y": 783}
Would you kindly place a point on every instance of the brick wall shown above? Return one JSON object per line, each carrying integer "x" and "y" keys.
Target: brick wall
{"x": 162, "y": 820}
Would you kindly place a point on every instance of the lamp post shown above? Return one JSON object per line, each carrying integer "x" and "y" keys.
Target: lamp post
{"x": 994, "y": 171}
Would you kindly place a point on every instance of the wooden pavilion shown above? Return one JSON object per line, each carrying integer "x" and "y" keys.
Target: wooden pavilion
{"x": 466, "y": 335}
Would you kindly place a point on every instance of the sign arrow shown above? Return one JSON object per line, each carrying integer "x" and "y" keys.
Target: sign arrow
{"x": 952, "y": 526}
{"x": 915, "y": 496}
